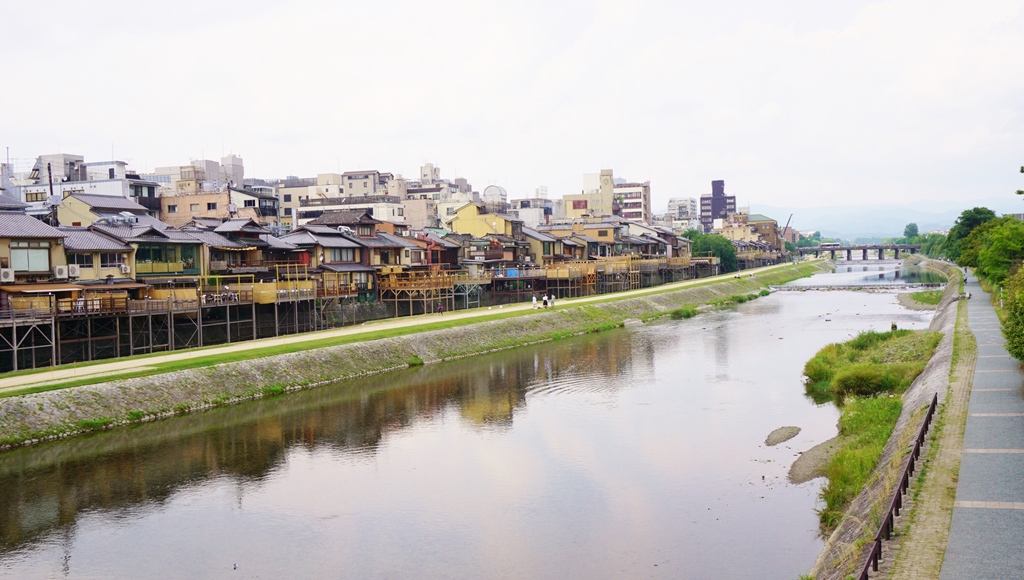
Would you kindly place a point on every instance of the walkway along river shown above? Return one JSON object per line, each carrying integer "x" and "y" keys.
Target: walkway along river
{"x": 638, "y": 451}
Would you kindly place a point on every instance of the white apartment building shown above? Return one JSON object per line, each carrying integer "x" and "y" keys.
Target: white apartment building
{"x": 683, "y": 207}
{"x": 634, "y": 201}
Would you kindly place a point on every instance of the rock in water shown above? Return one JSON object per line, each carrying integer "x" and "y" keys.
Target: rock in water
{"x": 781, "y": 434}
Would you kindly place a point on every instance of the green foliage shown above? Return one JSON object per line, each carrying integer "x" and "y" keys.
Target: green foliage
{"x": 93, "y": 424}
{"x": 684, "y": 312}
{"x": 764, "y": 292}
{"x": 272, "y": 390}
{"x": 965, "y": 224}
{"x": 870, "y": 363}
{"x": 1002, "y": 247}
{"x": 737, "y": 298}
{"x": 415, "y": 362}
{"x": 932, "y": 297}
{"x": 910, "y": 231}
{"x": 932, "y": 245}
{"x": 136, "y": 415}
{"x": 1013, "y": 325}
{"x": 864, "y": 426}
{"x": 717, "y": 246}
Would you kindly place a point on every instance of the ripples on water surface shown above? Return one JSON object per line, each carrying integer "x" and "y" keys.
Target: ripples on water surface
{"x": 636, "y": 452}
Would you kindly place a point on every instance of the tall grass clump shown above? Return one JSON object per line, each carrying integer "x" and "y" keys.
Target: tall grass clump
{"x": 864, "y": 377}
{"x": 864, "y": 426}
{"x": 684, "y": 312}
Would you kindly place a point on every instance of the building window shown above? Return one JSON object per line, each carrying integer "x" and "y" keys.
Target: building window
{"x": 193, "y": 207}
{"x": 172, "y": 209}
{"x": 287, "y": 198}
{"x": 30, "y": 256}
{"x": 212, "y": 206}
{"x": 37, "y": 196}
{"x": 602, "y": 233}
{"x": 287, "y": 211}
{"x": 110, "y": 173}
{"x": 250, "y": 203}
{"x": 80, "y": 259}
{"x": 108, "y": 260}
{"x": 343, "y": 255}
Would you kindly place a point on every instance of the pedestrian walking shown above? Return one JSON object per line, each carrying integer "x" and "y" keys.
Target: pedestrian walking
{"x": 440, "y": 308}
{"x": 545, "y": 301}
{"x": 552, "y": 300}
{"x": 534, "y": 301}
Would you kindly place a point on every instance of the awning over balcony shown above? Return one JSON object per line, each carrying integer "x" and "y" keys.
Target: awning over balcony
{"x": 39, "y": 288}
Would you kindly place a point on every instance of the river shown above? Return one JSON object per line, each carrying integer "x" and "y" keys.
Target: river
{"x": 637, "y": 452}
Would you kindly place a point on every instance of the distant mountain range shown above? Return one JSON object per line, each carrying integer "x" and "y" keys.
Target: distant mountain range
{"x": 881, "y": 221}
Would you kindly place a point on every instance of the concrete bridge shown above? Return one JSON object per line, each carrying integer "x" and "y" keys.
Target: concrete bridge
{"x": 863, "y": 249}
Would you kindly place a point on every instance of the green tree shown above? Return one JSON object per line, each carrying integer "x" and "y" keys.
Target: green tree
{"x": 1013, "y": 326}
{"x": 910, "y": 231}
{"x": 931, "y": 245}
{"x": 717, "y": 246}
{"x": 999, "y": 248}
{"x": 966, "y": 223}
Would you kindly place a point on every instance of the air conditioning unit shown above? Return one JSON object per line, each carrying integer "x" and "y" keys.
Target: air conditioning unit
{"x": 6, "y": 274}
{"x": 60, "y": 272}
{"x": 126, "y": 269}
{"x": 74, "y": 270}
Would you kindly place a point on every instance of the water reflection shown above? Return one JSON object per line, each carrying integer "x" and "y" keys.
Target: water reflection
{"x": 45, "y": 487}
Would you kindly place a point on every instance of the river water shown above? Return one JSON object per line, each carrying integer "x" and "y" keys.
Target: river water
{"x": 637, "y": 452}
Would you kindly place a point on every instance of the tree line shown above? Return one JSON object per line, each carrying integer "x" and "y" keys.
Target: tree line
{"x": 994, "y": 248}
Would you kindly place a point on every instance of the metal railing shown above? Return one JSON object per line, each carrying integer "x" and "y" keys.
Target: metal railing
{"x": 885, "y": 531}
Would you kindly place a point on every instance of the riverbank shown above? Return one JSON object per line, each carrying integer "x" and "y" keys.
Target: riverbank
{"x": 35, "y": 417}
{"x": 846, "y": 548}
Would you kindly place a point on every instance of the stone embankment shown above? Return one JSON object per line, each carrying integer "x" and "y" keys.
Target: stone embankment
{"x": 31, "y": 418}
{"x": 846, "y": 549}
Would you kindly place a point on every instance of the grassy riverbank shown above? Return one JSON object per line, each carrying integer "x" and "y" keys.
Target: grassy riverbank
{"x": 153, "y": 388}
{"x": 865, "y": 377}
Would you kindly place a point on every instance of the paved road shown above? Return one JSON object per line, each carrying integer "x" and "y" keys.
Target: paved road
{"x": 116, "y": 366}
{"x": 986, "y": 536}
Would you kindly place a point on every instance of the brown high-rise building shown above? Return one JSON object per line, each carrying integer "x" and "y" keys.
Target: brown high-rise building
{"x": 716, "y": 204}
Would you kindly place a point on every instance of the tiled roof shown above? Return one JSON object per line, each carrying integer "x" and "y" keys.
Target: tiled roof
{"x": 241, "y": 225}
{"x": 276, "y": 243}
{"x": 16, "y": 224}
{"x": 344, "y": 218}
{"x": 81, "y": 239}
{"x": 538, "y": 235}
{"x": 209, "y": 223}
{"x": 398, "y": 240}
{"x": 215, "y": 240}
{"x": 431, "y": 236}
{"x": 347, "y": 268}
{"x": 10, "y": 202}
{"x": 330, "y": 238}
{"x": 112, "y": 202}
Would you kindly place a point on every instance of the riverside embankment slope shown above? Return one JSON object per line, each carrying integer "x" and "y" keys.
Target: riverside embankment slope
{"x": 35, "y": 417}
{"x": 846, "y": 548}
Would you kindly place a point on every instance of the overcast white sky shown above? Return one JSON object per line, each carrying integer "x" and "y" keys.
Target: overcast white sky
{"x": 792, "y": 102}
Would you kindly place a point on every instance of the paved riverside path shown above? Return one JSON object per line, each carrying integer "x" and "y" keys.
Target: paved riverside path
{"x": 986, "y": 536}
{"x": 109, "y": 370}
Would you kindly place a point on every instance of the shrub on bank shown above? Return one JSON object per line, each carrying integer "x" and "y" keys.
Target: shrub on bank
{"x": 857, "y": 375}
{"x": 865, "y": 426}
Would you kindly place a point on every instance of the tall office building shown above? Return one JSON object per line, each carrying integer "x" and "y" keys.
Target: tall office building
{"x": 716, "y": 205}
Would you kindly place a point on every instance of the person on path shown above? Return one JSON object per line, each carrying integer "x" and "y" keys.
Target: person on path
{"x": 545, "y": 301}
{"x": 440, "y": 308}
{"x": 534, "y": 301}
{"x": 552, "y": 300}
